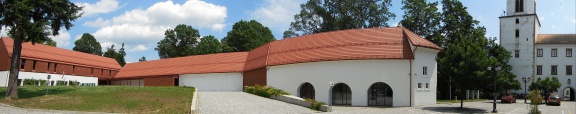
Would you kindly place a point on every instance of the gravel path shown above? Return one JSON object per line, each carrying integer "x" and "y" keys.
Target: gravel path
{"x": 6, "y": 109}
{"x": 244, "y": 103}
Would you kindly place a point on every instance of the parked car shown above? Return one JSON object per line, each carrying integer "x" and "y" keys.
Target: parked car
{"x": 508, "y": 98}
{"x": 553, "y": 99}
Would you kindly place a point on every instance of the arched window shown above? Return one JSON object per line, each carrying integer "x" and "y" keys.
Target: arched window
{"x": 341, "y": 94}
{"x": 307, "y": 91}
{"x": 380, "y": 94}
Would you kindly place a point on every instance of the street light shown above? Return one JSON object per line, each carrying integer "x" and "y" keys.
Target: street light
{"x": 526, "y": 80}
{"x": 495, "y": 75}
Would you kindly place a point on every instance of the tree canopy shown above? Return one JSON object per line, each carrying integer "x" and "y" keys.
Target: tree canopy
{"x": 423, "y": 19}
{"x": 142, "y": 59}
{"x": 208, "y": 45}
{"x": 548, "y": 85}
{"x": 248, "y": 35}
{"x": 322, "y": 16}
{"x": 88, "y": 44}
{"x": 119, "y": 57}
{"x": 178, "y": 42}
{"x": 49, "y": 42}
{"x": 33, "y": 21}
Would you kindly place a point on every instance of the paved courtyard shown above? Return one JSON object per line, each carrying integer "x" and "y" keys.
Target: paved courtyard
{"x": 567, "y": 107}
{"x": 244, "y": 103}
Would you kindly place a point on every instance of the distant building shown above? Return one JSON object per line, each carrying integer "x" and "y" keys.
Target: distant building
{"x": 38, "y": 61}
{"x": 367, "y": 67}
{"x": 536, "y": 55}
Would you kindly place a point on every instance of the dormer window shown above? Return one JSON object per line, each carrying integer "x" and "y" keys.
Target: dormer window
{"x": 519, "y": 5}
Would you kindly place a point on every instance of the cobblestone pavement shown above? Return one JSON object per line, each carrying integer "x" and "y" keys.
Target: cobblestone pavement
{"x": 567, "y": 107}
{"x": 6, "y": 109}
{"x": 244, "y": 103}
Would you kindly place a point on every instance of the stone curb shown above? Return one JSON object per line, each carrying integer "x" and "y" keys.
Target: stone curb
{"x": 193, "y": 104}
{"x": 298, "y": 101}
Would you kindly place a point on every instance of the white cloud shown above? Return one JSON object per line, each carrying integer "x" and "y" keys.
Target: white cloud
{"x": 63, "y": 39}
{"x": 276, "y": 13}
{"x": 142, "y": 28}
{"x": 138, "y": 48}
{"x": 4, "y": 32}
{"x": 542, "y": 18}
{"x": 103, "y": 6}
{"x": 98, "y": 23}
{"x": 574, "y": 20}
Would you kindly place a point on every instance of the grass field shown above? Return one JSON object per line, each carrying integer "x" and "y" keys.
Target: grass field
{"x": 116, "y": 99}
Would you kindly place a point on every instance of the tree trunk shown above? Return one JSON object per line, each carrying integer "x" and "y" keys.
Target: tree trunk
{"x": 462, "y": 99}
{"x": 12, "y": 90}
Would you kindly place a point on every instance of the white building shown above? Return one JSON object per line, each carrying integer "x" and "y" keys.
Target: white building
{"x": 367, "y": 67}
{"x": 536, "y": 55}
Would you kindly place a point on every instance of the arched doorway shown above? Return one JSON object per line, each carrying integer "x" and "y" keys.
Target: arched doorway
{"x": 568, "y": 94}
{"x": 341, "y": 94}
{"x": 380, "y": 94}
{"x": 306, "y": 91}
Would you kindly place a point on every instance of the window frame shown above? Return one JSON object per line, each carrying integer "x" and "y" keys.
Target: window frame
{"x": 539, "y": 70}
{"x": 425, "y": 70}
{"x": 569, "y": 70}
{"x": 568, "y": 52}
{"x": 517, "y": 54}
{"x": 539, "y": 52}
{"x": 554, "y": 70}
{"x": 554, "y": 52}
{"x": 517, "y": 33}
{"x": 419, "y": 85}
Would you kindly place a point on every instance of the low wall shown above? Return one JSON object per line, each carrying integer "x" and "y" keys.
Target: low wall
{"x": 299, "y": 101}
{"x": 193, "y": 104}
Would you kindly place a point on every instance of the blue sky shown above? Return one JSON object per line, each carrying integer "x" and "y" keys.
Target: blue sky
{"x": 140, "y": 24}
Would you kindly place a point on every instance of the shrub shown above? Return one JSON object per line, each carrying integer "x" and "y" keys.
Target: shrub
{"x": 315, "y": 104}
{"x": 535, "y": 100}
{"x": 60, "y": 82}
{"x": 42, "y": 82}
{"x": 73, "y": 83}
{"x": 264, "y": 91}
{"x": 30, "y": 82}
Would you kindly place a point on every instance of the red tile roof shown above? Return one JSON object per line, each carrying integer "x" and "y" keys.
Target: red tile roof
{"x": 556, "y": 39}
{"x": 372, "y": 43}
{"x": 59, "y": 55}
{"x": 212, "y": 63}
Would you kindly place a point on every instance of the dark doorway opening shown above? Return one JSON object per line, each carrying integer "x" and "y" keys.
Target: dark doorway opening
{"x": 380, "y": 94}
{"x": 176, "y": 82}
{"x": 341, "y": 94}
{"x": 307, "y": 91}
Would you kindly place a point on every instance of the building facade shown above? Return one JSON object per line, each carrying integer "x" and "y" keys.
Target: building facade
{"x": 38, "y": 61}
{"x": 361, "y": 67}
{"x": 536, "y": 55}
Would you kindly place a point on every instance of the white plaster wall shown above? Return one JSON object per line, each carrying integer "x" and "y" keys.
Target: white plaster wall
{"x": 213, "y": 81}
{"x": 524, "y": 65}
{"x": 561, "y": 61}
{"x": 359, "y": 75}
{"x": 424, "y": 57}
{"x": 43, "y": 76}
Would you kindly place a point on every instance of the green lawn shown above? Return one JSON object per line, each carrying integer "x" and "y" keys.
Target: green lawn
{"x": 117, "y": 99}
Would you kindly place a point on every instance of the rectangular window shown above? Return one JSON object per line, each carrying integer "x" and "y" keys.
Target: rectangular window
{"x": 519, "y": 6}
{"x": 92, "y": 72}
{"x": 34, "y": 65}
{"x": 517, "y": 33}
{"x": 539, "y": 52}
{"x": 427, "y": 85}
{"x": 55, "y": 66}
{"x": 517, "y": 53}
{"x": 425, "y": 70}
{"x": 568, "y": 69}
{"x": 554, "y": 70}
{"x": 23, "y": 64}
{"x": 554, "y": 52}
{"x": 539, "y": 70}
{"x": 517, "y": 20}
{"x": 48, "y": 70}
{"x": 568, "y": 52}
{"x": 419, "y": 85}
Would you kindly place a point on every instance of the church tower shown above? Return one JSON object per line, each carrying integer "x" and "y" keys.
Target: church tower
{"x": 519, "y": 28}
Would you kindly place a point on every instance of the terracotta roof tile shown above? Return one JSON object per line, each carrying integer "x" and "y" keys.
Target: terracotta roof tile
{"x": 59, "y": 55}
{"x": 211, "y": 63}
{"x": 419, "y": 41}
{"x": 556, "y": 39}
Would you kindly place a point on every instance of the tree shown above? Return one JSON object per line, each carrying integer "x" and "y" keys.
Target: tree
{"x": 322, "y": 16}
{"x": 248, "y": 35}
{"x": 121, "y": 51}
{"x": 49, "y": 42}
{"x": 33, "y": 21}
{"x": 88, "y": 44}
{"x": 142, "y": 59}
{"x": 547, "y": 86}
{"x": 423, "y": 19}
{"x": 178, "y": 42}
{"x": 506, "y": 79}
{"x": 111, "y": 53}
{"x": 464, "y": 57}
{"x": 208, "y": 45}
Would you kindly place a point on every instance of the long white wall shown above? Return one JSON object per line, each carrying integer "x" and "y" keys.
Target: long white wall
{"x": 43, "y": 76}
{"x": 359, "y": 75}
{"x": 424, "y": 57}
{"x": 213, "y": 81}
{"x": 561, "y": 61}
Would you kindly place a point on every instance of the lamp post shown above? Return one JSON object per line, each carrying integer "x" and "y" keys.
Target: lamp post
{"x": 495, "y": 78}
{"x": 526, "y": 80}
